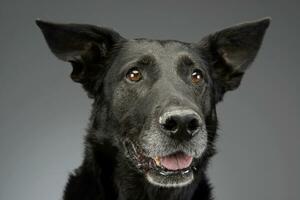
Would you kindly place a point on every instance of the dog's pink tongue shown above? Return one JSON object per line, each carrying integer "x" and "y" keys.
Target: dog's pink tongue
{"x": 176, "y": 161}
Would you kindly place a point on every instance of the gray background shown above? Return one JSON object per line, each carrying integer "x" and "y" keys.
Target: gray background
{"x": 43, "y": 114}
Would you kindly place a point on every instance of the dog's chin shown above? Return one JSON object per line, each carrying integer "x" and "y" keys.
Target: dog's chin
{"x": 171, "y": 170}
{"x": 170, "y": 179}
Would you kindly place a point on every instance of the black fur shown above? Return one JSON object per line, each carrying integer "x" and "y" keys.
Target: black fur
{"x": 128, "y": 111}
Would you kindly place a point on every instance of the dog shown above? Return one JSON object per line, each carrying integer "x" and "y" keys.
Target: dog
{"x": 153, "y": 123}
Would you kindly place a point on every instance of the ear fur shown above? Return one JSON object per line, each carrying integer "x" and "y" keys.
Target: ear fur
{"x": 232, "y": 50}
{"x": 86, "y": 47}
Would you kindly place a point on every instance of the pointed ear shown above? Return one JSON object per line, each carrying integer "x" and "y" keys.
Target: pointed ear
{"x": 86, "y": 47}
{"x": 231, "y": 51}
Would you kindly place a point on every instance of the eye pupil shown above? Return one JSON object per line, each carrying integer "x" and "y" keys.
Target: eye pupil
{"x": 197, "y": 76}
{"x": 134, "y": 75}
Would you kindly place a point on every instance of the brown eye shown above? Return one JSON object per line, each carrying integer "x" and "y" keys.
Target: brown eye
{"x": 197, "y": 76}
{"x": 134, "y": 75}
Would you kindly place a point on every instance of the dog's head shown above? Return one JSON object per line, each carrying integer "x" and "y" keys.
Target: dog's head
{"x": 155, "y": 99}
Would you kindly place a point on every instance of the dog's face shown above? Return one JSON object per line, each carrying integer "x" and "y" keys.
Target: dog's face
{"x": 156, "y": 99}
{"x": 161, "y": 96}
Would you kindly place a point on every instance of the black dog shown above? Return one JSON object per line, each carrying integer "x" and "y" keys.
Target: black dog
{"x": 153, "y": 123}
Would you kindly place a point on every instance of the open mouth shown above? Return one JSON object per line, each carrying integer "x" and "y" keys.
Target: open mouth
{"x": 174, "y": 162}
{"x": 171, "y": 170}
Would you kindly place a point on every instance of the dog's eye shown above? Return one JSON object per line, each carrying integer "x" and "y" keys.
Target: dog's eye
{"x": 197, "y": 76}
{"x": 134, "y": 75}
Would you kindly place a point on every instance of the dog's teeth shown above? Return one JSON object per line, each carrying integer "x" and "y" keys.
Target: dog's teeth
{"x": 157, "y": 160}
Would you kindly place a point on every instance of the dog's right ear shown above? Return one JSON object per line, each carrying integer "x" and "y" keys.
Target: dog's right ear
{"x": 86, "y": 47}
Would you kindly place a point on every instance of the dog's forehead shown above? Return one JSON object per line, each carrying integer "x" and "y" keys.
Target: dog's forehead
{"x": 161, "y": 50}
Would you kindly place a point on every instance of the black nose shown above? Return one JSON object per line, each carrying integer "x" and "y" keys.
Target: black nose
{"x": 181, "y": 124}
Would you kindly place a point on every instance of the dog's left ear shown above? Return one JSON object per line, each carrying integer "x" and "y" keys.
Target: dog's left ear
{"x": 86, "y": 47}
{"x": 230, "y": 52}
